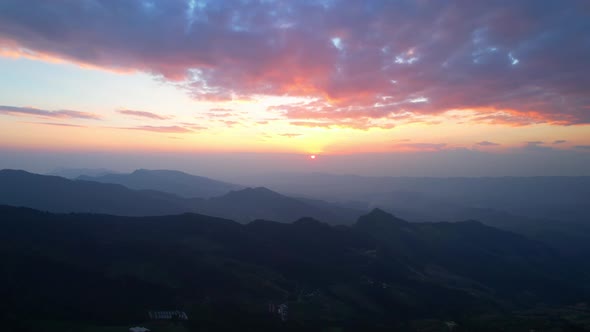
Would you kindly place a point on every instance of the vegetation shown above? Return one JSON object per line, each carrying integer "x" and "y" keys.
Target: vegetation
{"x": 99, "y": 271}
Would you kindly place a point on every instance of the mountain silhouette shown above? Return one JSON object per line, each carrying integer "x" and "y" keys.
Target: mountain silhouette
{"x": 56, "y": 194}
{"x": 349, "y": 274}
{"x": 262, "y": 203}
{"x": 174, "y": 182}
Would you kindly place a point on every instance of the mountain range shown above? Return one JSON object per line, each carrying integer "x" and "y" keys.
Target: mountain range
{"x": 173, "y": 182}
{"x": 562, "y": 198}
{"x": 377, "y": 273}
{"x": 57, "y": 194}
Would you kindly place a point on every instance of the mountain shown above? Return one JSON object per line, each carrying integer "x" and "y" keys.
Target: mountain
{"x": 565, "y": 235}
{"x": 381, "y": 272}
{"x": 549, "y": 209}
{"x": 561, "y": 198}
{"x": 261, "y": 203}
{"x": 174, "y": 182}
{"x": 56, "y": 194}
{"x": 570, "y": 237}
{"x": 470, "y": 250}
{"x": 73, "y": 173}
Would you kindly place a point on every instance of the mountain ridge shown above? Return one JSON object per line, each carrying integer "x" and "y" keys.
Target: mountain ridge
{"x": 173, "y": 182}
{"x": 437, "y": 271}
{"x": 56, "y": 194}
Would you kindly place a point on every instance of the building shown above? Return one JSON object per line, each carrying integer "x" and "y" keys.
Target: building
{"x": 168, "y": 315}
{"x": 282, "y": 310}
{"x": 138, "y": 329}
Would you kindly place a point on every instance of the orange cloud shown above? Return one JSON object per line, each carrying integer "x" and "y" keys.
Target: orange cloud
{"x": 384, "y": 63}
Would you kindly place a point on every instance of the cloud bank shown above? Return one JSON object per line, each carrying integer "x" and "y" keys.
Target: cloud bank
{"x": 354, "y": 63}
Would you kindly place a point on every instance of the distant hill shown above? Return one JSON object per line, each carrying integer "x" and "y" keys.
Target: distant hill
{"x": 546, "y": 208}
{"x": 261, "y": 203}
{"x": 382, "y": 271}
{"x": 566, "y": 235}
{"x": 73, "y": 173}
{"x": 174, "y": 182}
{"x": 562, "y": 198}
{"x": 56, "y": 194}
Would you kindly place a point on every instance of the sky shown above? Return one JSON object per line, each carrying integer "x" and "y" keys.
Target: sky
{"x": 372, "y": 87}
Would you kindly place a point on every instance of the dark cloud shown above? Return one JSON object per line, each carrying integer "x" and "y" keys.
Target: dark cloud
{"x": 487, "y": 143}
{"x": 559, "y": 141}
{"x": 510, "y": 62}
{"x": 420, "y": 146}
{"x": 584, "y": 147}
{"x": 61, "y": 114}
{"x": 536, "y": 146}
{"x": 143, "y": 114}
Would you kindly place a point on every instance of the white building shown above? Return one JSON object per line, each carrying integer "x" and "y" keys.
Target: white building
{"x": 168, "y": 315}
{"x": 138, "y": 329}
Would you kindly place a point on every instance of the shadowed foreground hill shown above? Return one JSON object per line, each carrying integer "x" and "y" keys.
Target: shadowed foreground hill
{"x": 381, "y": 272}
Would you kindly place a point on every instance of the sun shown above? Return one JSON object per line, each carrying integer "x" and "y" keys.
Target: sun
{"x": 312, "y": 157}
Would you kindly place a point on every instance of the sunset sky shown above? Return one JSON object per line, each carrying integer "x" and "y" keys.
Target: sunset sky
{"x": 502, "y": 81}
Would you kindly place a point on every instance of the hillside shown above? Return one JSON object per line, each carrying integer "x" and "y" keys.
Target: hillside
{"x": 329, "y": 275}
{"x": 173, "y": 182}
{"x": 56, "y": 194}
{"x": 261, "y": 203}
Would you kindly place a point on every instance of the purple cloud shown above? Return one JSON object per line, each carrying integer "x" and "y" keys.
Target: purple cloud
{"x": 487, "y": 143}
{"x": 193, "y": 126}
{"x": 420, "y": 146}
{"x": 161, "y": 129}
{"x": 58, "y": 124}
{"x": 536, "y": 146}
{"x": 518, "y": 63}
{"x": 143, "y": 114}
{"x": 61, "y": 114}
